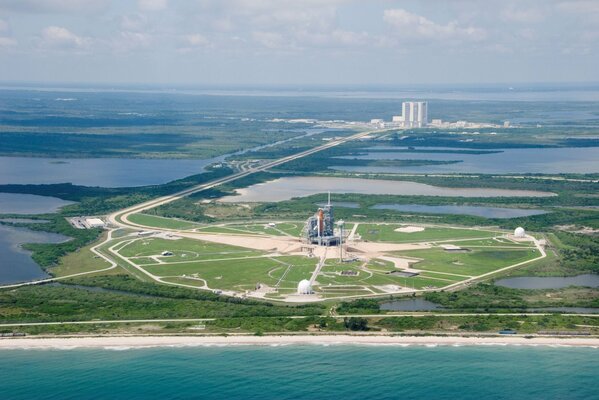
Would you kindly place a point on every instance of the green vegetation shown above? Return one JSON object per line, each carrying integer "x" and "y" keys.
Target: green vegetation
{"x": 388, "y": 233}
{"x": 356, "y": 323}
{"x": 48, "y": 254}
{"x": 160, "y": 222}
{"x": 81, "y": 260}
{"x": 96, "y": 200}
{"x": 190, "y": 134}
{"x": 64, "y": 303}
{"x": 488, "y": 297}
{"x": 470, "y": 263}
{"x": 492, "y": 323}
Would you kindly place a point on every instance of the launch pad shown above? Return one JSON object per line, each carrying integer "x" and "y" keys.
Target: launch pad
{"x": 320, "y": 228}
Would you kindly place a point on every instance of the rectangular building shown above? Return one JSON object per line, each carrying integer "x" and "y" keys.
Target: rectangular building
{"x": 415, "y": 114}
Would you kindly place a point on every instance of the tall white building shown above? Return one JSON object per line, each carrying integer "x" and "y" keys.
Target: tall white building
{"x": 415, "y": 114}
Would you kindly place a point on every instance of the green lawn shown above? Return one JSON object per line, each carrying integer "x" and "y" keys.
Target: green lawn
{"x": 386, "y": 233}
{"x": 184, "y": 249}
{"x": 473, "y": 263}
{"x": 82, "y": 260}
{"x": 494, "y": 242}
{"x": 224, "y": 229}
{"x": 280, "y": 229}
{"x": 161, "y": 222}
{"x": 242, "y": 273}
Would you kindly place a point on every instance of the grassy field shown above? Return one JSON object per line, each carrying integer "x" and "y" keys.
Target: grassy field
{"x": 387, "y": 233}
{"x": 280, "y": 229}
{"x": 239, "y": 274}
{"x": 227, "y": 229}
{"x": 331, "y": 275}
{"x": 473, "y": 263}
{"x": 183, "y": 249}
{"x": 82, "y": 260}
{"x": 218, "y": 266}
{"x": 161, "y": 222}
{"x": 494, "y": 242}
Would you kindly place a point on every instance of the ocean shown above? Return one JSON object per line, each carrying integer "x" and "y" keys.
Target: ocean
{"x": 302, "y": 372}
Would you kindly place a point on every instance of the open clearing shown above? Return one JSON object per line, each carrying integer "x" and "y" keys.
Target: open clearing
{"x": 264, "y": 260}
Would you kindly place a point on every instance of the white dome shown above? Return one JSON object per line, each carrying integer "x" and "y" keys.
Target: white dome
{"x": 519, "y": 232}
{"x": 304, "y": 287}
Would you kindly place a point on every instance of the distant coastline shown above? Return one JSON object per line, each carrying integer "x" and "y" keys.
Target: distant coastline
{"x": 130, "y": 342}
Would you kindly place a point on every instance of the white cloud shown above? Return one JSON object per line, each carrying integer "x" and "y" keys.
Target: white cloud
{"x": 59, "y": 37}
{"x": 193, "y": 42}
{"x": 524, "y": 16}
{"x": 55, "y": 6}
{"x": 580, "y": 6}
{"x": 7, "y": 42}
{"x": 196, "y": 40}
{"x": 337, "y": 38}
{"x": 152, "y": 5}
{"x": 4, "y": 27}
{"x": 134, "y": 22}
{"x": 415, "y": 26}
{"x": 128, "y": 41}
{"x": 272, "y": 40}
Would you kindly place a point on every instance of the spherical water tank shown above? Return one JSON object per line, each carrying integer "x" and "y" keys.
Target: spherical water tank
{"x": 304, "y": 287}
{"x": 519, "y": 232}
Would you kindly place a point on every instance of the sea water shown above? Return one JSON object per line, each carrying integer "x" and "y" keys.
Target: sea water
{"x": 302, "y": 372}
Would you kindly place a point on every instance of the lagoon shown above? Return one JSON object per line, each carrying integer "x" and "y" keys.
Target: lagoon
{"x": 16, "y": 203}
{"x": 477, "y": 211}
{"x": 582, "y": 160}
{"x": 104, "y": 172}
{"x": 16, "y": 264}
{"x": 551, "y": 282}
{"x": 290, "y": 187}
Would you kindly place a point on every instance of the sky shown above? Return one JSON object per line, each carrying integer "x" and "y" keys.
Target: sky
{"x": 290, "y": 42}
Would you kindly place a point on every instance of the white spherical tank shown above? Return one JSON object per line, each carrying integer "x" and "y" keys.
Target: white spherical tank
{"x": 519, "y": 232}
{"x": 304, "y": 287}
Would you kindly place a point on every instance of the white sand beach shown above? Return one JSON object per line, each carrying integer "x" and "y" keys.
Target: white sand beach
{"x": 125, "y": 342}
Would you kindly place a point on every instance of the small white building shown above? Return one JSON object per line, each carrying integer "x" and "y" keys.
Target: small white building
{"x": 304, "y": 287}
{"x": 94, "y": 222}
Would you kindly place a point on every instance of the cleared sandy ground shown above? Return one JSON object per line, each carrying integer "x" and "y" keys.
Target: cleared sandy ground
{"x": 409, "y": 229}
{"x": 267, "y": 243}
{"x": 380, "y": 247}
{"x": 123, "y": 342}
{"x": 288, "y": 245}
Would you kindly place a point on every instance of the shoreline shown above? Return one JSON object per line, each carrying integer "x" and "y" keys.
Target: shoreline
{"x": 130, "y": 342}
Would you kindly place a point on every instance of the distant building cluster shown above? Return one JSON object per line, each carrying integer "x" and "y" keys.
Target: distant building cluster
{"x": 414, "y": 114}
{"x": 437, "y": 123}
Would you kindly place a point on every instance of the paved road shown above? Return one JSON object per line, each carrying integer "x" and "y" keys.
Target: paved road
{"x": 120, "y": 218}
